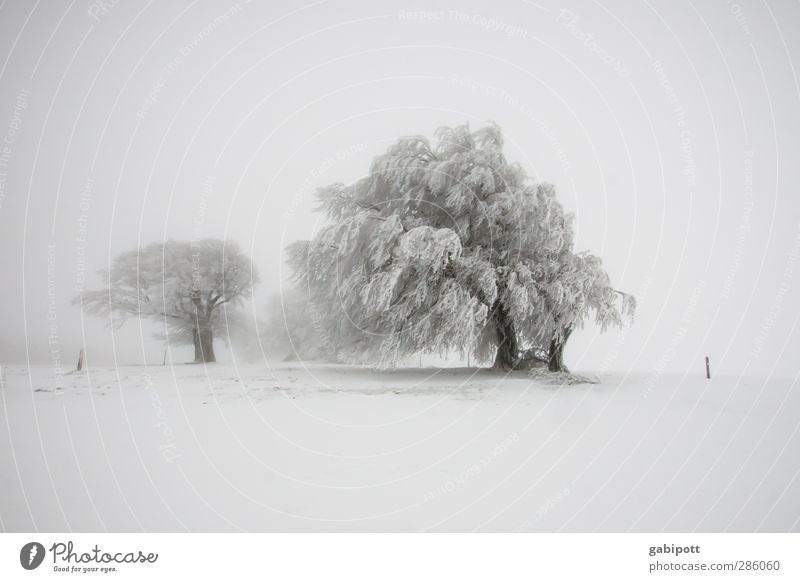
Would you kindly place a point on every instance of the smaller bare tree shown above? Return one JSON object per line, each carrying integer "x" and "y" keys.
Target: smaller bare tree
{"x": 179, "y": 283}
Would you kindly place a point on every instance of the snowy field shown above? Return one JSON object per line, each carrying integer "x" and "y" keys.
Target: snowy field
{"x": 334, "y": 448}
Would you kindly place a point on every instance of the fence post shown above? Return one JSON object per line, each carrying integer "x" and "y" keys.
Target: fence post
{"x": 80, "y": 360}
{"x": 708, "y": 369}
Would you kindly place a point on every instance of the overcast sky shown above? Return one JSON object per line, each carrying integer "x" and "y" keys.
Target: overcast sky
{"x": 670, "y": 129}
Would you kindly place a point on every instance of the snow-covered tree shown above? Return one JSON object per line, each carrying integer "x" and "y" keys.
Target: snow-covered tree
{"x": 293, "y": 329}
{"x": 184, "y": 285}
{"x": 234, "y": 326}
{"x": 450, "y": 246}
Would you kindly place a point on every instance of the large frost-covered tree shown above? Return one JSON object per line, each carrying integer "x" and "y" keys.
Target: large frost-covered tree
{"x": 450, "y": 246}
{"x": 184, "y": 285}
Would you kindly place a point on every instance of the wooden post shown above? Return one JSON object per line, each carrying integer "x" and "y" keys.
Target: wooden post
{"x": 80, "y": 360}
{"x": 164, "y": 363}
{"x": 708, "y": 369}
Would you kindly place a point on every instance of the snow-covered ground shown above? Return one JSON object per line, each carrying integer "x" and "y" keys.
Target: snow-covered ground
{"x": 333, "y": 448}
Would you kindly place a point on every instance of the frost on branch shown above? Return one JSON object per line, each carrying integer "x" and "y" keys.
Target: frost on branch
{"x": 189, "y": 287}
{"x": 449, "y": 246}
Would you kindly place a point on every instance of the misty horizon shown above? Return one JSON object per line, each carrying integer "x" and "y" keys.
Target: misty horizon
{"x": 126, "y": 129}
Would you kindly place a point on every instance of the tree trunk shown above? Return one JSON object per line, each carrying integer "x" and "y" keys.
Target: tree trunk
{"x": 555, "y": 361}
{"x": 203, "y": 338}
{"x": 507, "y": 348}
{"x": 198, "y": 353}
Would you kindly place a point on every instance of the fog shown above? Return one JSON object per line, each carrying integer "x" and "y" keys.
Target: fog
{"x": 670, "y": 130}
